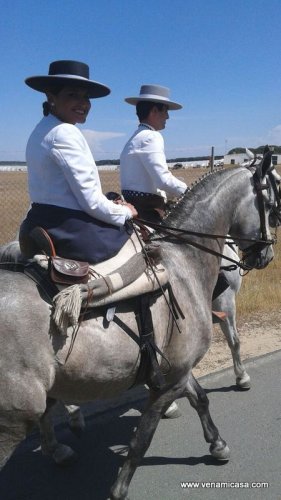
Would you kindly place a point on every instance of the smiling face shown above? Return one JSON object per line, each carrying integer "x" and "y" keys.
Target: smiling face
{"x": 70, "y": 105}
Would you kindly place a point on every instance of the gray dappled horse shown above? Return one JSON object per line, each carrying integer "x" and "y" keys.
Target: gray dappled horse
{"x": 104, "y": 360}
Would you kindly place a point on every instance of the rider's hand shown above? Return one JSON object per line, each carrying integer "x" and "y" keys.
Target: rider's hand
{"x": 132, "y": 208}
{"x": 129, "y": 205}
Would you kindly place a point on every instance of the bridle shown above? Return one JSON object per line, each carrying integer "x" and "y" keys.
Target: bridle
{"x": 264, "y": 241}
{"x": 255, "y": 246}
{"x": 275, "y": 207}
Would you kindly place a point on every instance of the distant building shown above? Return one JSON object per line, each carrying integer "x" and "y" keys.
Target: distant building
{"x": 276, "y": 159}
{"x": 239, "y": 158}
{"x": 235, "y": 159}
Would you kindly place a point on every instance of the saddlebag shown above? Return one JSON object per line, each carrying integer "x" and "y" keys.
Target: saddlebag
{"x": 67, "y": 271}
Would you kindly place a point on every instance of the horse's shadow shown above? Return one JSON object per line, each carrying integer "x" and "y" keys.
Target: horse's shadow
{"x": 101, "y": 450}
{"x": 31, "y": 476}
{"x": 229, "y": 388}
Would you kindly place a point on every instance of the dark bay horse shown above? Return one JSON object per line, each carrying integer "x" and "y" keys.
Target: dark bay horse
{"x": 104, "y": 360}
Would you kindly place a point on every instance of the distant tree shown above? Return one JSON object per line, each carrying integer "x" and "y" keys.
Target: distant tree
{"x": 237, "y": 151}
{"x": 259, "y": 150}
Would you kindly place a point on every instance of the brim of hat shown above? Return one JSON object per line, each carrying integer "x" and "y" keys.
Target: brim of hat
{"x": 45, "y": 84}
{"x": 171, "y": 105}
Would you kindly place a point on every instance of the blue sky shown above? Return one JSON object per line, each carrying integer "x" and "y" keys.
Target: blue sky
{"x": 220, "y": 58}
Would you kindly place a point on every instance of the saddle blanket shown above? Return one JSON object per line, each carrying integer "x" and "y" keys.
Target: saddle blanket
{"x": 149, "y": 281}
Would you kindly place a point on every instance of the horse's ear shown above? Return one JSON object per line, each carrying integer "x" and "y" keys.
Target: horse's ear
{"x": 266, "y": 149}
{"x": 265, "y": 164}
{"x": 250, "y": 154}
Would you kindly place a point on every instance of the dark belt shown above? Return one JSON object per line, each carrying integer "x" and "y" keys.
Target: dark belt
{"x": 150, "y": 207}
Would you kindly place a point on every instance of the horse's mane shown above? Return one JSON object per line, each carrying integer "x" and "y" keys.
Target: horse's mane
{"x": 175, "y": 214}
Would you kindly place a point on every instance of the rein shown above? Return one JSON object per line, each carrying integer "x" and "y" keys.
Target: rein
{"x": 257, "y": 244}
{"x": 174, "y": 306}
{"x": 167, "y": 230}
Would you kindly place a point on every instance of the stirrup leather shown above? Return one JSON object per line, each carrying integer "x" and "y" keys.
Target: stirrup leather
{"x": 43, "y": 241}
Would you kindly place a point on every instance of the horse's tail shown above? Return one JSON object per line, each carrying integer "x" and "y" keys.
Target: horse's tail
{"x": 10, "y": 252}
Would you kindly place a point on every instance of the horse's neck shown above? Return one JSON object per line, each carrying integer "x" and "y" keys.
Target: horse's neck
{"x": 209, "y": 206}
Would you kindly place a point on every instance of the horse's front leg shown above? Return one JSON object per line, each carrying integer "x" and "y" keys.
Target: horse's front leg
{"x": 76, "y": 419}
{"x": 227, "y": 302}
{"x": 229, "y": 329}
{"x": 199, "y": 400}
{"x": 60, "y": 453}
{"x": 156, "y": 407}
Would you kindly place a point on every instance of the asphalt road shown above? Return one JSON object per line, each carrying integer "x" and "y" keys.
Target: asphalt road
{"x": 249, "y": 421}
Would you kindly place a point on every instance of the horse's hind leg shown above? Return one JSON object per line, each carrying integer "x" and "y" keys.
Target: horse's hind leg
{"x": 199, "y": 401}
{"x": 76, "y": 419}
{"x": 60, "y": 453}
{"x": 22, "y": 402}
{"x": 12, "y": 432}
{"x": 141, "y": 440}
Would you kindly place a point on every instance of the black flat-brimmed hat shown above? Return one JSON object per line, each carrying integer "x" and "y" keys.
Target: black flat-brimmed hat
{"x": 68, "y": 73}
{"x": 154, "y": 93}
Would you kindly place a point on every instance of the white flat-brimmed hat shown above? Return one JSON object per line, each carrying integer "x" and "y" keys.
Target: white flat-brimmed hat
{"x": 154, "y": 93}
{"x": 68, "y": 73}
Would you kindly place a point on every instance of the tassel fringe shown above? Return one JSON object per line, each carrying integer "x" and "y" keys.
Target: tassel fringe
{"x": 67, "y": 307}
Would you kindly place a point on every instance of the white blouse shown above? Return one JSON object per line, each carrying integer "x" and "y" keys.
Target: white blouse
{"x": 62, "y": 172}
{"x": 143, "y": 165}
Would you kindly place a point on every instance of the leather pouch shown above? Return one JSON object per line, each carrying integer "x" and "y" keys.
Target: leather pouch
{"x": 68, "y": 272}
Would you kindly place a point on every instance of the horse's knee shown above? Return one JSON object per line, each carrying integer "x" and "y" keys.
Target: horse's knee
{"x": 197, "y": 396}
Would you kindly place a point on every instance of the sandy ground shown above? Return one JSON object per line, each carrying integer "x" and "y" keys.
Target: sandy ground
{"x": 260, "y": 334}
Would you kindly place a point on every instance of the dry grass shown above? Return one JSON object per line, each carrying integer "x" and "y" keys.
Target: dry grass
{"x": 261, "y": 290}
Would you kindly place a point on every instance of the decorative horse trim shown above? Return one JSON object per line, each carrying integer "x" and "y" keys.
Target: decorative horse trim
{"x": 136, "y": 275}
{"x": 68, "y": 302}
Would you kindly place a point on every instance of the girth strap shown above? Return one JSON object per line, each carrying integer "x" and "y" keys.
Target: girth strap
{"x": 149, "y": 369}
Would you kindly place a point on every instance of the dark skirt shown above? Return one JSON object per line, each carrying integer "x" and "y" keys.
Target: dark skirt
{"x": 75, "y": 234}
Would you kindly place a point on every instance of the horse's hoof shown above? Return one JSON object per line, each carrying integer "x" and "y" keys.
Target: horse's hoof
{"x": 244, "y": 383}
{"x": 64, "y": 455}
{"x": 113, "y": 497}
{"x": 173, "y": 411}
{"x": 220, "y": 451}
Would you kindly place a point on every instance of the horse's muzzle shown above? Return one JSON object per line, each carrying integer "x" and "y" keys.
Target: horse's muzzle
{"x": 257, "y": 256}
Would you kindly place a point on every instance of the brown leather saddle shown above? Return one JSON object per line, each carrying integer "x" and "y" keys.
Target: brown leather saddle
{"x": 62, "y": 271}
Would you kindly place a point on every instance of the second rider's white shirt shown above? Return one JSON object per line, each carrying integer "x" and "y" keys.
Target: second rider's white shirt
{"x": 143, "y": 165}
